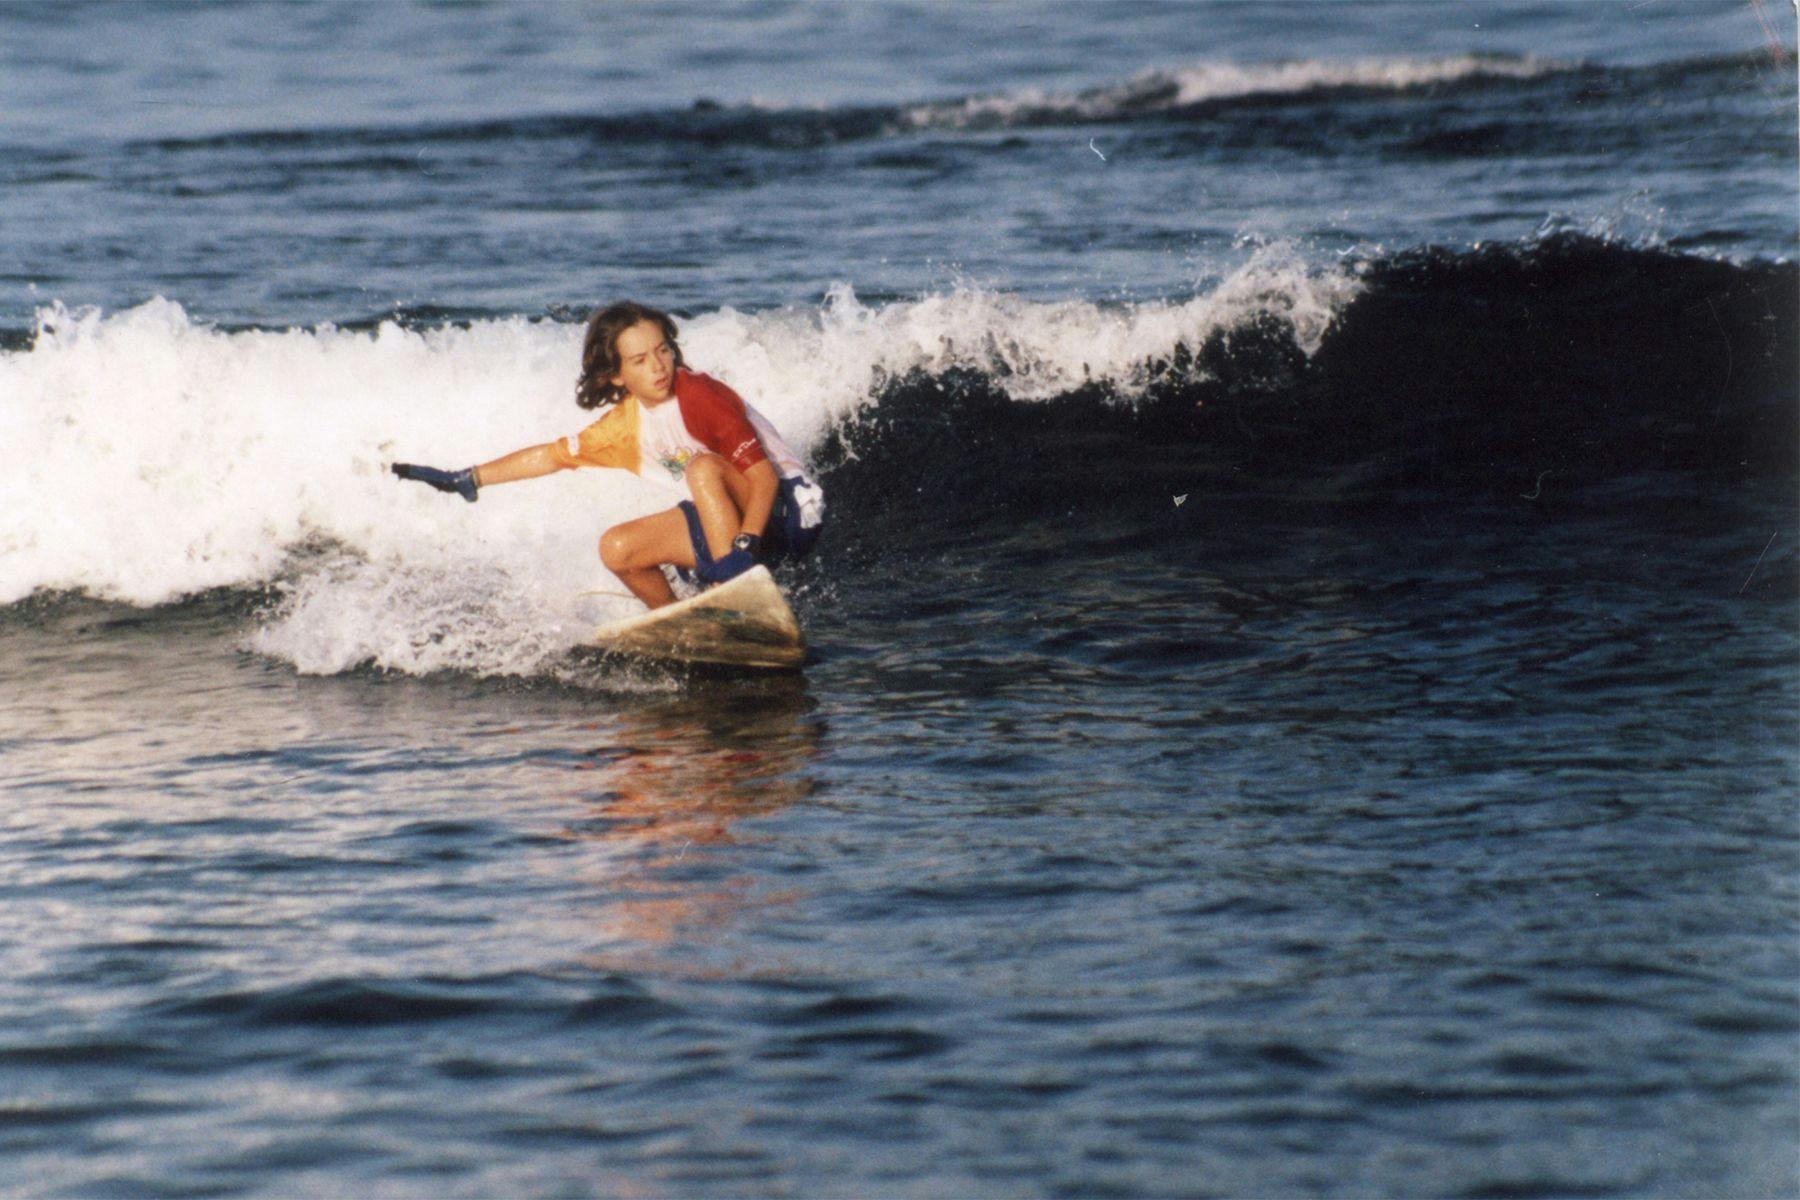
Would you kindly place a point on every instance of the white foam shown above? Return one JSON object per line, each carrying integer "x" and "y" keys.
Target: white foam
{"x": 153, "y": 457}
{"x": 1161, "y": 90}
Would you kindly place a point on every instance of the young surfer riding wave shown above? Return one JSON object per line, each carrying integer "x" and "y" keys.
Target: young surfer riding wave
{"x": 749, "y": 498}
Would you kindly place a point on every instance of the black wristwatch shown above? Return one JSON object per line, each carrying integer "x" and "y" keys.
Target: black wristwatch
{"x": 747, "y": 542}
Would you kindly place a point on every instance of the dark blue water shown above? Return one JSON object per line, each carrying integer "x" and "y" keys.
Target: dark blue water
{"x": 1302, "y": 696}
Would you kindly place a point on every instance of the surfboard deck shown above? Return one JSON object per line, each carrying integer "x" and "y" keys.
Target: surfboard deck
{"x": 744, "y": 622}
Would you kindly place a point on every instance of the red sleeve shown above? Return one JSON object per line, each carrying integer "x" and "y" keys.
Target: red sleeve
{"x": 714, "y": 414}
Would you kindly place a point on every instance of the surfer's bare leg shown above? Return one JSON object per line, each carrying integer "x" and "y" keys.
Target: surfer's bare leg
{"x": 636, "y": 550}
{"x": 721, "y": 492}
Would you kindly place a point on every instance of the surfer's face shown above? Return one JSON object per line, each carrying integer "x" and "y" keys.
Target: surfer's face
{"x": 646, "y": 363}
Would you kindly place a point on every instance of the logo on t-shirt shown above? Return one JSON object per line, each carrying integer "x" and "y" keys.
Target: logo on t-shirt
{"x": 675, "y": 461}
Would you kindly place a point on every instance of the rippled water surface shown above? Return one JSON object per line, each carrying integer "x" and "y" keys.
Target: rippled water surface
{"x": 1412, "y": 856}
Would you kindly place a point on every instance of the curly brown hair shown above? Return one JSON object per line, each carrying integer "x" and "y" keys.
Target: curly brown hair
{"x": 600, "y": 350}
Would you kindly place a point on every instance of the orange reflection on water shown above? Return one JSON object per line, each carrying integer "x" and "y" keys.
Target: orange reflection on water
{"x": 669, "y": 784}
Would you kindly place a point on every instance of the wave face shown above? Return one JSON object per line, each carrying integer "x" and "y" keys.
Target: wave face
{"x": 163, "y": 457}
{"x": 1499, "y": 374}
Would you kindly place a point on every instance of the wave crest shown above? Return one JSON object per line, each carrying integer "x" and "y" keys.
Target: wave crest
{"x": 1161, "y": 91}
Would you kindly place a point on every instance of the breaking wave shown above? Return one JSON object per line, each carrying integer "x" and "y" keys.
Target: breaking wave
{"x": 158, "y": 457}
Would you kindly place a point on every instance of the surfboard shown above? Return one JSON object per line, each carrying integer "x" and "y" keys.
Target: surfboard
{"x": 744, "y": 622}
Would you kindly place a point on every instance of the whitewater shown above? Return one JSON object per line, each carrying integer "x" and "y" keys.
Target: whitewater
{"x": 165, "y": 457}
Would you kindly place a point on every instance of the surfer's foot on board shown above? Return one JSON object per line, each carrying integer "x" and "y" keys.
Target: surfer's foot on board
{"x": 682, "y": 581}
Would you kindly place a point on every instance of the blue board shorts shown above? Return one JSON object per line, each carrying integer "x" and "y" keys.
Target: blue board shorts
{"x": 784, "y": 538}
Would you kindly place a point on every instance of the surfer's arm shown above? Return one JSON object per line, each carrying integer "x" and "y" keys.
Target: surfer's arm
{"x": 528, "y": 463}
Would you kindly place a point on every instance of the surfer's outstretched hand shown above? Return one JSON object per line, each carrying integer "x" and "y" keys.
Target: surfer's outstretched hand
{"x": 461, "y": 482}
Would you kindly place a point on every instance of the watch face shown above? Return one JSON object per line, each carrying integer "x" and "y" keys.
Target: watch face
{"x": 742, "y": 541}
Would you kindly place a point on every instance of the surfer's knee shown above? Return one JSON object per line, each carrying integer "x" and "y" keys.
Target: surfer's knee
{"x": 713, "y": 480}
{"x": 705, "y": 470}
{"x": 615, "y": 549}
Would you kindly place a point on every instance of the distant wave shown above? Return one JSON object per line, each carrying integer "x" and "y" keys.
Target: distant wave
{"x": 1163, "y": 91}
{"x": 1195, "y": 90}
{"x": 1216, "y": 85}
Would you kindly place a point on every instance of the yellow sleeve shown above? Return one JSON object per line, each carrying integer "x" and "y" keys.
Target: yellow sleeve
{"x": 612, "y": 441}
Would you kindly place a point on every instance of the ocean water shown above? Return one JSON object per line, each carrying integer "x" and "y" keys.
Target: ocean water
{"x": 1303, "y": 689}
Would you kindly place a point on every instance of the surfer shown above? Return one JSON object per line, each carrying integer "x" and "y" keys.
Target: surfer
{"x": 748, "y": 498}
